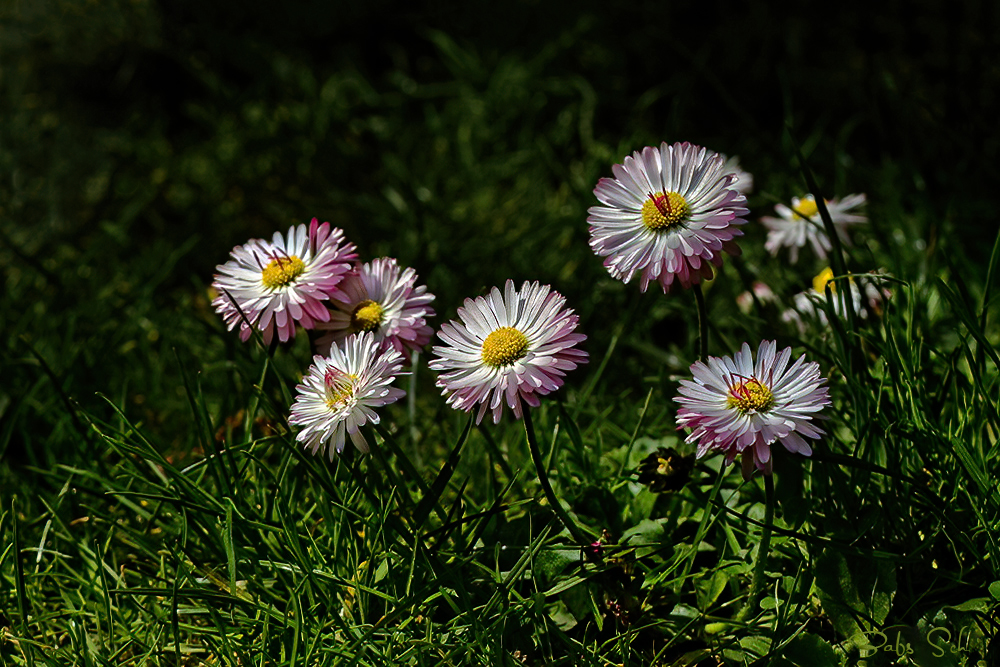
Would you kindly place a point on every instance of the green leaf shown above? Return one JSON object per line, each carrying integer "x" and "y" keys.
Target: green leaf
{"x": 856, "y": 594}
{"x": 995, "y": 590}
{"x": 769, "y": 602}
{"x": 710, "y": 588}
{"x": 975, "y": 604}
{"x": 808, "y": 650}
{"x": 560, "y": 614}
{"x": 382, "y": 571}
{"x": 756, "y": 645}
{"x": 646, "y": 532}
{"x": 550, "y": 563}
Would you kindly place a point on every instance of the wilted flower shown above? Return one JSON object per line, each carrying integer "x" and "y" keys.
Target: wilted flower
{"x": 380, "y": 298}
{"x": 280, "y": 282}
{"x": 802, "y": 223}
{"x": 734, "y": 406}
{"x": 665, "y": 470}
{"x": 340, "y": 391}
{"x": 669, "y": 214}
{"x": 507, "y": 347}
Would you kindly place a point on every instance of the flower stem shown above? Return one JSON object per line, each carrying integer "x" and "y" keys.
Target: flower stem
{"x": 702, "y": 322}
{"x": 543, "y": 478}
{"x": 762, "y": 551}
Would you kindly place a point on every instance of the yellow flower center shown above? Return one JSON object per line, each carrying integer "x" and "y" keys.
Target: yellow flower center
{"x": 504, "y": 346}
{"x": 824, "y": 277}
{"x": 807, "y": 207}
{"x": 367, "y": 316}
{"x": 666, "y": 467}
{"x": 663, "y": 211}
{"x": 282, "y": 271}
{"x": 750, "y": 396}
{"x": 339, "y": 387}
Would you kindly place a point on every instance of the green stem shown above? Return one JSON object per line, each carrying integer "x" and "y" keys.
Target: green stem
{"x": 762, "y": 552}
{"x": 702, "y": 323}
{"x": 543, "y": 478}
{"x": 837, "y": 253}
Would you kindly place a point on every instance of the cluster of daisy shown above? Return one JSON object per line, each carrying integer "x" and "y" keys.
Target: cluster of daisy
{"x": 669, "y": 215}
{"x": 801, "y": 225}
{"x": 507, "y": 348}
{"x": 367, "y": 317}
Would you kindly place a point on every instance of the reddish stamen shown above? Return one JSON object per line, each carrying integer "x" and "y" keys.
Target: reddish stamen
{"x": 662, "y": 204}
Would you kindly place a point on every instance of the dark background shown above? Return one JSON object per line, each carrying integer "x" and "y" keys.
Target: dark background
{"x": 140, "y": 141}
{"x": 125, "y": 88}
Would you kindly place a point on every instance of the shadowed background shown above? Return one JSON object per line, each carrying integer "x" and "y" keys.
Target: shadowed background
{"x": 140, "y": 141}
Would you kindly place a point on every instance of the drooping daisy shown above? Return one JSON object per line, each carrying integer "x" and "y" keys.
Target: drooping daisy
{"x": 812, "y": 304}
{"x": 734, "y": 406}
{"x": 381, "y": 298}
{"x": 283, "y": 281}
{"x": 744, "y": 179}
{"x": 669, "y": 214}
{"x": 339, "y": 393}
{"x": 506, "y": 347}
{"x": 802, "y": 223}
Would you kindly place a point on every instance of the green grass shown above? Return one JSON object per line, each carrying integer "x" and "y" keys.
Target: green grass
{"x": 155, "y": 508}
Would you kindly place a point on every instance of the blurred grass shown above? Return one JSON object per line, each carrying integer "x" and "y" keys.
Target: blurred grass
{"x": 153, "y": 508}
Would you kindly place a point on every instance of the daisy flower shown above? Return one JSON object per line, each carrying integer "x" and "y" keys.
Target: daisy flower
{"x": 510, "y": 346}
{"x": 812, "y": 303}
{"x": 802, "y": 223}
{"x": 734, "y": 406}
{"x": 759, "y": 292}
{"x": 284, "y": 281}
{"x": 381, "y": 298}
{"x": 669, "y": 214}
{"x": 339, "y": 393}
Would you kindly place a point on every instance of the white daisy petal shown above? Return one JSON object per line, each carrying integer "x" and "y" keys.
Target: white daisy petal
{"x": 278, "y": 283}
{"x": 509, "y": 346}
{"x": 668, "y": 213}
{"x": 801, "y": 224}
{"x": 732, "y": 405}
{"x": 338, "y": 392}
{"x": 383, "y": 299}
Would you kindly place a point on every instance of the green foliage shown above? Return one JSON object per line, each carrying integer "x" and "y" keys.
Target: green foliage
{"x": 154, "y": 506}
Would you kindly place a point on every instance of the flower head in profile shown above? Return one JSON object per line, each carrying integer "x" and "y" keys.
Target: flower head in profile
{"x": 759, "y": 293}
{"x": 801, "y": 224}
{"x": 381, "y": 298}
{"x": 812, "y": 304}
{"x": 668, "y": 215}
{"x": 734, "y": 406}
{"x": 340, "y": 392}
{"x": 507, "y": 347}
{"x": 283, "y": 281}
{"x": 744, "y": 179}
